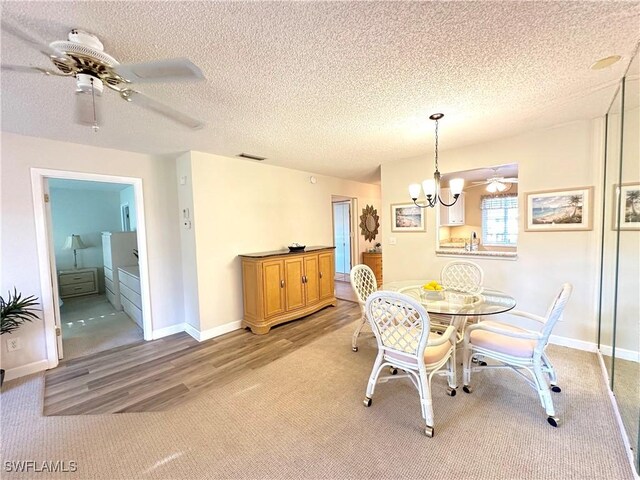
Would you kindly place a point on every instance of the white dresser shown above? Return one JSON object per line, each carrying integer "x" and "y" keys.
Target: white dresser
{"x": 117, "y": 251}
{"x": 81, "y": 281}
{"x": 130, "y": 292}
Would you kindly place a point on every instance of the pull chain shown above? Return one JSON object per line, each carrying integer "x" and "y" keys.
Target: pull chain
{"x": 95, "y": 118}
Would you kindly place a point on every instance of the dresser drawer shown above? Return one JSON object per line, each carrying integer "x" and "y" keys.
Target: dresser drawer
{"x": 77, "y": 289}
{"x": 130, "y": 281}
{"x": 134, "y": 312}
{"x": 130, "y": 295}
{"x": 74, "y": 278}
{"x": 108, "y": 284}
{"x": 108, "y": 273}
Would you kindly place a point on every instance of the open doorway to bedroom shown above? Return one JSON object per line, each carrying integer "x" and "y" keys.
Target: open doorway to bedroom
{"x": 95, "y": 251}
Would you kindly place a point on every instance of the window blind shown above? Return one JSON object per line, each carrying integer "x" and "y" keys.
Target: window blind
{"x": 500, "y": 220}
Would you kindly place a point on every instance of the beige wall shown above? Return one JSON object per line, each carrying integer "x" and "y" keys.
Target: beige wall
{"x": 243, "y": 207}
{"x": 19, "y": 252}
{"x": 565, "y": 156}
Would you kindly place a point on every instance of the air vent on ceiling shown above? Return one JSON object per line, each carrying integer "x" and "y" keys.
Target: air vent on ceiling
{"x": 252, "y": 157}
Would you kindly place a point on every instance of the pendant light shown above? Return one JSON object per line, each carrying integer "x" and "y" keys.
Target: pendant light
{"x": 431, "y": 187}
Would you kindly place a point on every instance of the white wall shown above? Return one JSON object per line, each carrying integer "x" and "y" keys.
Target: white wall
{"x": 86, "y": 213}
{"x": 17, "y": 227}
{"x": 128, "y": 196}
{"x": 565, "y": 156}
{"x": 240, "y": 207}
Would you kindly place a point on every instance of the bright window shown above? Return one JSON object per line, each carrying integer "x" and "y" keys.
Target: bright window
{"x": 500, "y": 220}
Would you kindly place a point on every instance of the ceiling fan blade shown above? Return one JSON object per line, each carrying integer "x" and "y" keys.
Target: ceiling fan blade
{"x": 484, "y": 182}
{"x": 509, "y": 180}
{"x": 27, "y": 69}
{"x": 88, "y": 108}
{"x": 170, "y": 70}
{"x": 20, "y": 33}
{"x": 160, "y": 108}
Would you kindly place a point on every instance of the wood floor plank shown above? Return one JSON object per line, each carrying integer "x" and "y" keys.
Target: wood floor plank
{"x": 165, "y": 373}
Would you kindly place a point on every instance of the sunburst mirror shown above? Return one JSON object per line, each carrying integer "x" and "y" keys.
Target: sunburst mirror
{"x": 369, "y": 222}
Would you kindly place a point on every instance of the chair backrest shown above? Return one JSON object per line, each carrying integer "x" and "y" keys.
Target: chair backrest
{"x": 399, "y": 322}
{"x": 462, "y": 276}
{"x": 363, "y": 282}
{"x": 554, "y": 313}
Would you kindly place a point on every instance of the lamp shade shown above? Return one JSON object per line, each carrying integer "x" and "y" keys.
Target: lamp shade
{"x": 74, "y": 242}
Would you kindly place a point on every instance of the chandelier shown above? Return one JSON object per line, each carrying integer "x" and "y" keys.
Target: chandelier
{"x": 431, "y": 187}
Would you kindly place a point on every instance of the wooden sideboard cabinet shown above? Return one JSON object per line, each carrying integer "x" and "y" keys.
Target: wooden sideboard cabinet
{"x": 281, "y": 286}
{"x": 374, "y": 262}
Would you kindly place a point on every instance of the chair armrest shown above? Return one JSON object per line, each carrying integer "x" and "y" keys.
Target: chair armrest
{"x": 446, "y": 337}
{"x": 530, "y": 316}
{"x": 529, "y": 335}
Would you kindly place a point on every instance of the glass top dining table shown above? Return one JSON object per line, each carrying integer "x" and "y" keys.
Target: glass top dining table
{"x": 453, "y": 302}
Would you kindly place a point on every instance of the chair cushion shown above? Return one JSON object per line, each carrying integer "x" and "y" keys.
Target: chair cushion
{"x": 431, "y": 354}
{"x": 517, "y": 347}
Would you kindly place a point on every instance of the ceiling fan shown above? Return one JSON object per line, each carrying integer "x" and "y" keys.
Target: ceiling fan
{"x": 82, "y": 57}
{"x": 496, "y": 183}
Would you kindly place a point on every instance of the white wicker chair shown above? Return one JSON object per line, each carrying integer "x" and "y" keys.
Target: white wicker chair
{"x": 363, "y": 282}
{"x": 462, "y": 276}
{"x": 518, "y": 349}
{"x": 401, "y": 327}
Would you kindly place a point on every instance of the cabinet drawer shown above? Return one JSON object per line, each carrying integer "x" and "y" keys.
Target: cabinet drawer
{"x": 77, "y": 288}
{"x": 130, "y": 281}
{"x": 108, "y": 284}
{"x": 110, "y": 296}
{"x": 108, "y": 273}
{"x": 75, "y": 278}
{"x": 130, "y": 295}
{"x": 134, "y": 312}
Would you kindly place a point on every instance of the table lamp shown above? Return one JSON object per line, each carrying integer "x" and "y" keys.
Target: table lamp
{"x": 74, "y": 242}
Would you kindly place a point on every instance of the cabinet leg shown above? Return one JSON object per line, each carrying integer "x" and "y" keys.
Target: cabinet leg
{"x": 259, "y": 330}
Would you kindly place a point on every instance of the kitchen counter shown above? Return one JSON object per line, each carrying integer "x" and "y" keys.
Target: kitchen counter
{"x": 461, "y": 252}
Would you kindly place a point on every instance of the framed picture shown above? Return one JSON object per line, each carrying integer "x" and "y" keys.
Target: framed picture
{"x": 559, "y": 210}
{"x": 629, "y": 206}
{"x": 406, "y": 217}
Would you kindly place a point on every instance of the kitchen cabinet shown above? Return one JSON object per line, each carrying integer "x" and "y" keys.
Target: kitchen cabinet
{"x": 454, "y": 215}
{"x": 281, "y": 286}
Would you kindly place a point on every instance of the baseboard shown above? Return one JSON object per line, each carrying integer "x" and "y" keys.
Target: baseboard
{"x": 166, "y": 331}
{"x": 622, "y": 353}
{"x": 616, "y": 411}
{"x": 28, "y": 369}
{"x": 212, "y": 332}
{"x": 573, "y": 343}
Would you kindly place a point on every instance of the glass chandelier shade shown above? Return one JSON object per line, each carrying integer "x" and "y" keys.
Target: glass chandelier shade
{"x": 431, "y": 186}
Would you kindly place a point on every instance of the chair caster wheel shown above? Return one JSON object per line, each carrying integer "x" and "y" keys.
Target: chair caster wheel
{"x": 355, "y": 349}
{"x": 553, "y": 421}
{"x": 482, "y": 363}
{"x": 393, "y": 370}
{"x": 451, "y": 392}
{"x": 467, "y": 389}
{"x": 367, "y": 402}
{"x": 555, "y": 388}
{"x": 429, "y": 431}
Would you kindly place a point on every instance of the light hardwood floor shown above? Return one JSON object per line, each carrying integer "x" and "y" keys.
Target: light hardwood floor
{"x": 157, "y": 375}
{"x": 344, "y": 291}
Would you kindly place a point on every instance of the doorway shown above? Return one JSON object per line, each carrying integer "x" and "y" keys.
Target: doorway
{"x": 343, "y": 240}
{"x": 93, "y": 262}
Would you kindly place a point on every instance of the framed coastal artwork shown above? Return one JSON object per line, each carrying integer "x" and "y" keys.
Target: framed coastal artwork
{"x": 559, "y": 210}
{"x": 629, "y": 206}
{"x": 406, "y": 217}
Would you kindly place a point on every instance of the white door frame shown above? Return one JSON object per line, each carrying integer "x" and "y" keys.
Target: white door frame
{"x": 48, "y": 277}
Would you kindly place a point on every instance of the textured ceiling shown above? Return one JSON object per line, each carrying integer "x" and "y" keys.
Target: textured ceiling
{"x": 334, "y": 88}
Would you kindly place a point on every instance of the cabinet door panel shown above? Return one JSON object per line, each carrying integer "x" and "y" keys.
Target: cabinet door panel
{"x": 294, "y": 288}
{"x": 325, "y": 265}
{"x": 312, "y": 285}
{"x": 273, "y": 274}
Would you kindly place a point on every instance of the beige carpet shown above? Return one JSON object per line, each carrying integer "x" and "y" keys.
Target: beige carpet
{"x": 90, "y": 325}
{"x": 302, "y": 417}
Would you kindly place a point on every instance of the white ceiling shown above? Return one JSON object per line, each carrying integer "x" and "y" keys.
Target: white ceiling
{"x": 334, "y": 88}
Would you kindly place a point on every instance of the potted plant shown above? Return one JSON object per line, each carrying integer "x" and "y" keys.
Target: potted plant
{"x": 14, "y": 311}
